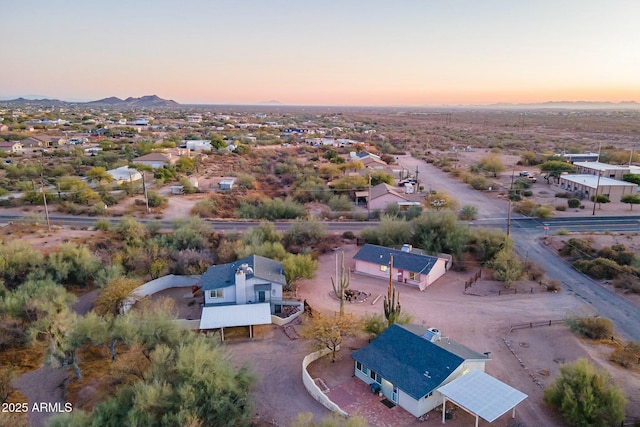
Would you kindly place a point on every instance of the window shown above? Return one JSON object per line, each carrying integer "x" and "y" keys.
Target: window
{"x": 383, "y": 268}
{"x": 375, "y": 376}
{"x": 216, "y": 293}
{"x": 414, "y": 276}
{"x": 359, "y": 366}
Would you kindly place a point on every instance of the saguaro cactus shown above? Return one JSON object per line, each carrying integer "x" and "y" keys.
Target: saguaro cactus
{"x": 343, "y": 284}
{"x": 392, "y": 307}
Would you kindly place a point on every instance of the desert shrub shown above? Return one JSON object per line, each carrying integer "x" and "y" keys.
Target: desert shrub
{"x": 526, "y": 207}
{"x": 595, "y": 328}
{"x": 586, "y": 396}
{"x": 304, "y": 233}
{"x": 155, "y": 199}
{"x": 102, "y": 225}
{"x": 515, "y": 196}
{"x": 628, "y": 282}
{"x": 204, "y": 208}
{"x": 573, "y": 203}
{"x": 618, "y": 253}
{"x": 191, "y": 261}
{"x": 533, "y": 270}
{"x": 599, "y": 268}
{"x": 340, "y": 203}
{"x": 187, "y": 185}
{"x": 553, "y": 286}
{"x": 576, "y": 247}
{"x": 348, "y": 235}
{"x": 468, "y": 213}
{"x": 561, "y": 208}
{"x": 563, "y": 195}
{"x": 245, "y": 182}
{"x": 478, "y": 182}
{"x": 626, "y": 356}
{"x": 506, "y": 266}
{"x": 271, "y": 209}
{"x": 543, "y": 212}
{"x": 527, "y": 193}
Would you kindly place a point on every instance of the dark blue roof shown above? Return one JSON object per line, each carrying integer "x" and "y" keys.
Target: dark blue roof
{"x": 223, "y": 275}
{"x": 410, "y": 362}
{"x": 407, "y": 261}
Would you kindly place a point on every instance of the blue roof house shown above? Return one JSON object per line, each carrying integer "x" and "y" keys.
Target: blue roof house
{"x": 409, "y": 268}
{"x": 409, "y": 363}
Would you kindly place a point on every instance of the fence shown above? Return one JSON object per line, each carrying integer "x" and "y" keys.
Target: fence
{"x": 535, "y": 324}
{"x": 311, "y": 386}
{"x": 477, "y": 275}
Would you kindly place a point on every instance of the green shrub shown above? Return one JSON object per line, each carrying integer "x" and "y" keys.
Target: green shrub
{"x": 468, "y": 213}
{"x": 527, "y": 193}
{"x": 155, "y": 199}
{"x": 103, "y": 225}
{"x": 340, "y": 204}
{"x": 576, "y": 247}
{"x": 478, "y": 182}
{"x": 599, "y": 268}
{"x": 561, "y": 208}
{"x": 573, "y": 203}
{"x": 595, "y": 328}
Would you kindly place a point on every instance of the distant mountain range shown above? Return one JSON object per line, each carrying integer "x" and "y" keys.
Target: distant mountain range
{"x": 148, "y": 101}
{"x": 571, "y": 105}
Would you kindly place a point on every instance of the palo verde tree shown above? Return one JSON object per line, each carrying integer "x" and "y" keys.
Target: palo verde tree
{"x": 343, "y": 284}
{"x": 586, "y": 396}
{"x": 631, "y": 199}
{"x": 392, "y": 307}
{"x": 328, "y": 332}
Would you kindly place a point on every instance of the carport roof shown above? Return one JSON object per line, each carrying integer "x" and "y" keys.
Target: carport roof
{"x": 235, "y": 315}
{"x": 482, "y": 395}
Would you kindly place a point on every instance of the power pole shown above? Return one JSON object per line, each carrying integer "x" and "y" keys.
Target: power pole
{"x": 369, "y": 200}
{"x": 595, "y": 198}
{"x": 144, "y": 189}
{"x": 46, "y": 209}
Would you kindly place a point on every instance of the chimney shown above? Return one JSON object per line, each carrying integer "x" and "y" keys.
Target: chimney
{"x": 241, "y": 287}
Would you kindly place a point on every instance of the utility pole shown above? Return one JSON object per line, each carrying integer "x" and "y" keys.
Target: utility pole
{"x": 146, "y": 197}
{"x": 595, "y": 198}
{"x": 509, "y": 217}
{"x": 369, "y": 200}
{"x": 417, "y": 182}
{"x": 44, "y": 199}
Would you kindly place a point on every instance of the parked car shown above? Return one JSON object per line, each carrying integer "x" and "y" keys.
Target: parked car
{"x": 531, "y": 178}
{"x": 524, "y": 173}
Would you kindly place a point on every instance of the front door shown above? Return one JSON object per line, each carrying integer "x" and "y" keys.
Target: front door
{"x": 394, "y": 394}
{"x": 261, "y": 296}
{"x": 400, "y": 276}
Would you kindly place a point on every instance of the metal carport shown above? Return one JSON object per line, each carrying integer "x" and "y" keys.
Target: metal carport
{"x": 481, "y": 395}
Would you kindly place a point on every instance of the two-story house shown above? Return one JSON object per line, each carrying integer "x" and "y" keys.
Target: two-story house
{"x": 242, "y": 293}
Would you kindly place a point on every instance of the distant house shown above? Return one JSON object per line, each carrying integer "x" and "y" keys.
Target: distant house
{"x": 227, "y": 184}
{"x": 417, "y": 369}
{"x": 11, "y": 147}
{"x": 34, "y": 142}
{"x": 409, "y": 268}
{"x": 154, "y": 160}
{"x": 197, "y": 145}
{"x": 124, "y": 174}
{"x": 383, "y": 195}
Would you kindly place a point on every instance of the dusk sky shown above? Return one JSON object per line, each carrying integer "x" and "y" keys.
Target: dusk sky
{"x": 352, "y": 52}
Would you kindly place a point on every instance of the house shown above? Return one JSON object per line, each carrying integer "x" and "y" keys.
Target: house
{"x": 581, "y": 157}
{"x": 155, "y": 160}
{"x": 408, "y": 364}
{"x": 196, "y": 145}
{"x": 226, "y": 184}
{"x": 383, "y": 195}
{"x": 409, "y": 268}
{"x": 34, "y": 142}
{"x": 588, "y": 184}
{"x": 242, "y": 293}
{"x": 124, "y": 174}
{"x": 11, "y": 147}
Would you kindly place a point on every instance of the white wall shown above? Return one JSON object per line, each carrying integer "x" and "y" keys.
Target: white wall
{"x": 311, "y": 386}
{"x": 160, "y": 284}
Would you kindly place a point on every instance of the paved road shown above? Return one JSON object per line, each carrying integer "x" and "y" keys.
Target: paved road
{"x": 527, "y": 235}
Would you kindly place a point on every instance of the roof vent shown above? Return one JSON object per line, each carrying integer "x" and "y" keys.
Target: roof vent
{"x": 406, "y": 248}
{"x": 432, "y": 334}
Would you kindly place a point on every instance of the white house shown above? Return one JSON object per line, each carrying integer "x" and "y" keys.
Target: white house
{"x": 124, "y": 174}
{"x": 417, "y": 369}
{"x": 11, "y": 147}
{"x": 196, "y": 144}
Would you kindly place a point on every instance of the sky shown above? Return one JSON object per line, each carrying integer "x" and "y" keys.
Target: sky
{"x": 308, "y": 52}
